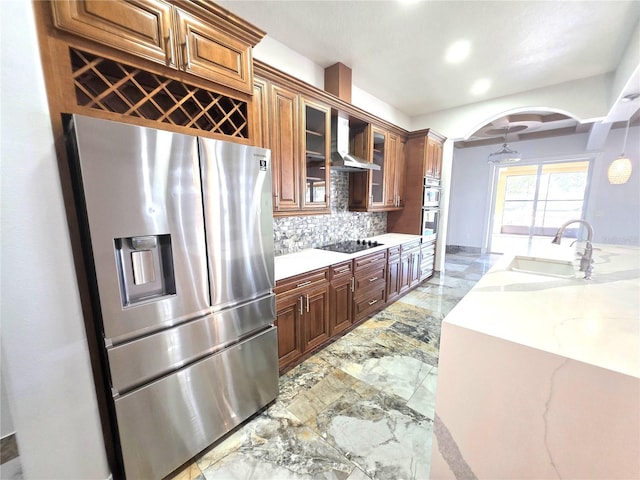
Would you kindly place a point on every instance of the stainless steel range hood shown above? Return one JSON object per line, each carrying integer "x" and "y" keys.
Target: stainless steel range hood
{"x": 341, "y": 159}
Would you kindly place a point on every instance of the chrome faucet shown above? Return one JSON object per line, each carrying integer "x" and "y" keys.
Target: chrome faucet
{"x": 586, "y": 260}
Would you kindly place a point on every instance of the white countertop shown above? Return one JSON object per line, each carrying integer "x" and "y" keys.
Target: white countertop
{"x": 313, "y": 258}
{"x": 594, "y": 321}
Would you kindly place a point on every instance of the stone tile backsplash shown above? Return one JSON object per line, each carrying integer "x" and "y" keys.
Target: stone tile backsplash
{"x": 292, "y": 234}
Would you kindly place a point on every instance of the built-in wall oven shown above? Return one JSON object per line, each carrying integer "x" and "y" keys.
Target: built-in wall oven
{"x": 430, "y": 207}
{"x": 430, "y": 220}
{"x": 432, "y": 191}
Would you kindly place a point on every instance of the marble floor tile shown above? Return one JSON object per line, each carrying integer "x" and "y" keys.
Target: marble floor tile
{"x": 379, "y": 433}
{"x": 362, "y": 408}
{"x": 424, "y": 398}
{"x": 275, "y": 445}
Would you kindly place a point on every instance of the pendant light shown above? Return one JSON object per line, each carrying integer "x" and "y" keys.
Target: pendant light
{"x": 620, "y": 169}
{"x": 505, "y": 154}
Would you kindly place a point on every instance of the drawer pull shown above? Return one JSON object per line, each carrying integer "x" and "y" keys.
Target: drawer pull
{"x": 373, "y": 279}
{"x": 373, "y": 301}
{"x": 343, "y": 270}
{"x": 304, "y": 284}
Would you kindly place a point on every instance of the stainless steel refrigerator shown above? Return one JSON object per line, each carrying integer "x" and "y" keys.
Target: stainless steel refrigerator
{"x": 178, "y": 237}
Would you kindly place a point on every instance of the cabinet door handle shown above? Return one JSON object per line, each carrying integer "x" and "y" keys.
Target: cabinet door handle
{"x": 186, "y": 64}
{"x": 353, "y": 284}
{"x": 373, "y": 279}
{"x": 372, "y": 302}
{"x": 169, "y": 49}
{"x": 307, "y": 302}
{"x": 304, "y": 284}
{"x": 277, "y": 202}
{"x": 300, "y": 304}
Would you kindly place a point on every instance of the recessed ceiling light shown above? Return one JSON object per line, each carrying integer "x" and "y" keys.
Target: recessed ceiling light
{"x": 458, "y": 51}
{"x": 480, "y": 86}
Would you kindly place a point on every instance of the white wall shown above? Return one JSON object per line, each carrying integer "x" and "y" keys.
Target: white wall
{"x": 46, "y": 366}
{"x": 613, "y": 210}
{"x": 283, "y": 58}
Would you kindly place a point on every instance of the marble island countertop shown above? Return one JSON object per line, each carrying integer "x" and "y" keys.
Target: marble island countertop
{"x": 550, "y": 367}
{"x": 594, "y": 321}
{"x": 314, "y": 258}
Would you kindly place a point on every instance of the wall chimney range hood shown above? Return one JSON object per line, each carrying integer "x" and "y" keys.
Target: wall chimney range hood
{"x": 341, "y": 159}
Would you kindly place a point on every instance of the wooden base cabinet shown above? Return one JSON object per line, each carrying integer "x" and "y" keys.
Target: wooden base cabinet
{"x": 370, "y": 284}
{"x": 341, "y": 297}
{"x": 409, "y": 265}
{"x": 302, "y": 315}
{"x": 393, "y": 273}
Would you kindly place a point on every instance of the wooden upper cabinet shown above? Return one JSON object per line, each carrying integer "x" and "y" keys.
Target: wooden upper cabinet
{"x": 159, "y": 31}
{"x": 400, "y": 172}
{"x": 141, "y": 27}
{"x": 315, "y": 147}
{"x": 260, "y": 132}
{"x": 433, "y": 158}
{"x": 285, "y": 147}
{"x": 377, "y": 190}
{"x": 205, "y": 51}
{"x": 298, "y": 134}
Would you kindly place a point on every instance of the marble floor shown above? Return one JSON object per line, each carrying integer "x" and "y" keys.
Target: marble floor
{"x": 361, "y": 408}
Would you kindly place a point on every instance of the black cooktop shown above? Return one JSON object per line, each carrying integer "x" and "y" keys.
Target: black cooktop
{"x": 350, "y": 246}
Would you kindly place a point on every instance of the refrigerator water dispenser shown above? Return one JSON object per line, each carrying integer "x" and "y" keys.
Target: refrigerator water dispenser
{"x": 145, "y": 267}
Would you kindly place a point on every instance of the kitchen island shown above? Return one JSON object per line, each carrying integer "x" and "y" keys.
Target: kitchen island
{"x": 539, "y": 376}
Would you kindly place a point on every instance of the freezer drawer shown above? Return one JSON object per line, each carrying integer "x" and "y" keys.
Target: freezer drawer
{"x": 165, "y": 423}
{"x": 140, "y": 361}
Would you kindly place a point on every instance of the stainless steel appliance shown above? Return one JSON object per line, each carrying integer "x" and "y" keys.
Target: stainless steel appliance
{"x": 430, "y": 216}
{"x": 351, "y": 246}
{"x": 431, "y": 193}
{"x": 430, "y": 220}
{"x": 178, "y": 232}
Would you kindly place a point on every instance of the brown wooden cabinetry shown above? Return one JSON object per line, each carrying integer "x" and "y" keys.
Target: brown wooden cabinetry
{"x": 298, "y": 135}
{"x": 377, "y": 190}
{"x": 285, "y": 148}
{"x": 409, "y": 265}
{"x": 316, "y": 120}
{"x": 302, "y": 314}
{"x": 370, "y": 284}
{"x": 341, "y": 297}
{"x": 423, "y": 158}
{"x": 393, "y": 273}
{"x": 203, "y": 43}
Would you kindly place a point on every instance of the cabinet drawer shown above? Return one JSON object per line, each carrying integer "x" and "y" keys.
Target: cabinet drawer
{"x": 428, "y": 249}
{"x": 394, "y": 251}
{"x": 371, "y": 278}
{"x": 374, "y": 300}
{"x": 413, "y": 245}
{"x": 290, "y": 284}
{"x": 364, "y": 262}
{"x": 340, "y": 270}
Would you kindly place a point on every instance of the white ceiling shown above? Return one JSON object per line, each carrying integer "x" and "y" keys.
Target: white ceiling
{"x": 396, "y": 49}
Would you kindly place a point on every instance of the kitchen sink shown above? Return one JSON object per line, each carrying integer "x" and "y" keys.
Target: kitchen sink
{"x": 543, "y": 266}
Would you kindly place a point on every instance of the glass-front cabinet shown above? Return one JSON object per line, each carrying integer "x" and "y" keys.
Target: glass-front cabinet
{"x": 382, "y": 189}
{"x": 315, "y": 148}
{"x": 376, "y": 191}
